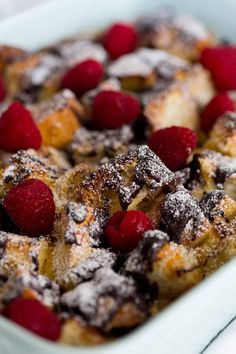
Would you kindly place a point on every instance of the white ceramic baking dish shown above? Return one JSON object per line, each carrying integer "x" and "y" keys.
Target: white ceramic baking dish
{"x": 187, "y": 325}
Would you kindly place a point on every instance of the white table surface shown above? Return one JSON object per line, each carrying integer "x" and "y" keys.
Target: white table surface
{"x": 225, "y": 341}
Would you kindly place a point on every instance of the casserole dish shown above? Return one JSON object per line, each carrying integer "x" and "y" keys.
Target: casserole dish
{"x": 188, "y": 324}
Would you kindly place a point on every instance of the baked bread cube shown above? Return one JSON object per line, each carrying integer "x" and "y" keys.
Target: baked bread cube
{"x": 183, "y": 220}
{"x": 211, "y": 171}
{"x": 166, "y": 266}
{"x": 77, "y": 236}
{"x": 57, "y": 118}
{"x": 19, "y": 251}
{"x": 9, "y": 54}
{"x": 146, "y": 67}
{"x": 76, "y": 332}
{"x": 175, "y": 269}
{"x": 28, "y": 284}
{"x": 109, "y": 301}
{"x": 222, "y": 137}
{"x": 200, "y": 85}
{"x": 76, "y": 50}
{"x": 220, "y": 209}
{"x": 57, "y": 157}
{"x": 134, "y": 73}
{"x": 181, "y": 91}
{"x": 34, "y": 78}
{"x": 172, "y": 105}
{"x": 98, "y": 146}
{"x": 65, "y": 187}
{"x": 29, "y": 164}
{"x": 138, "y": 180}
{"x": 181, "y": 35}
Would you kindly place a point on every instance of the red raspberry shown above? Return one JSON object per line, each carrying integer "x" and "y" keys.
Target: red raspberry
{"x": 112, "y": 109}
{"x": 83, "y": 77}
{"x": 2, "y": 89}
{"x": 125, "y": 229}
{"x": 18, "y": 130}
{"x": 173, "y": 145}
{"x": 221, "y": 62}
{"x": 31, "y": 206}
{"x": 35, "y": 317}
{"x": 216, "y": 107}
{"x": 121, "y": 38}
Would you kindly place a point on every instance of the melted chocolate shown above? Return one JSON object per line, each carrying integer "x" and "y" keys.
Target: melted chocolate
{"x": 139, "y": 262}
{"x": 209, "y": 202}
{"x": 180, "y": 213}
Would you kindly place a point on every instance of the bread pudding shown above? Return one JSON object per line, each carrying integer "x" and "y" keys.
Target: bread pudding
{"x": 117, "y": 175}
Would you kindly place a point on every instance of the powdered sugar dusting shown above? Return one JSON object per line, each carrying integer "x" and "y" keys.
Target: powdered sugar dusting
{"x": 191, "y": 26}
{"x": 44, "y": 289}
{"x": 79, "y": 50}
{"x": 129, "y": 65}
{"x": 97, "y": 300}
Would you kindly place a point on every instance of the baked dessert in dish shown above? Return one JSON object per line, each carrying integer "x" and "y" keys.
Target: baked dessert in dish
{"x": 117, "y": 175}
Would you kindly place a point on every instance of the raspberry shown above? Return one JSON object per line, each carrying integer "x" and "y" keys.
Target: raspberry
{"x": 121, "y": 38}
{"x": 216, "y": 107}
{"x": 173, "y": 145}
{"x": 2, "y": 89}
{"x": 31, "y": 206}
{"x": 125, "y": 229}
{"x": 35, "y": 317}
{"x": 221, "y": 62}
{"x": 18, "y": 130}
{"x": 83, "y": 76}
{"x": 112, "y": 109}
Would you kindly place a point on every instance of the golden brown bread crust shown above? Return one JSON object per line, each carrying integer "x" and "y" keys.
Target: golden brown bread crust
{"x": 138, "y": 180}
{"x": 75, "y": 236}
{"x": 179, "y": 100}
{"x": 29, "y": 164}
{"x": 175, "y": 269}
{"x": 18, "y": 251}
{"x": 92, "y": 146}
{"x": 76, "y": 332}
{"x": 172, "y": 106}
{"x": 107, "y": 301}
{"x": 222, "y": 137}
{"x": 57, "y": 118}
{"x": 30, "y": 285}
{"x": 34, "y": 78}
{"x": 9, "y": 54}
{"x": 180, "y": 35}
{"x": 212, "y": 171}
{"x": 133, "y": 72}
